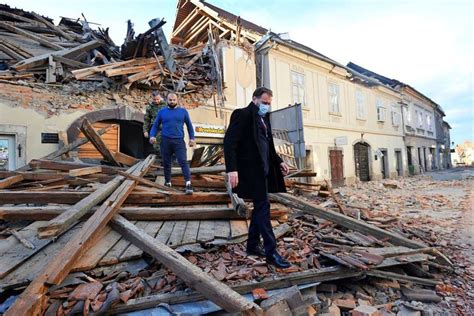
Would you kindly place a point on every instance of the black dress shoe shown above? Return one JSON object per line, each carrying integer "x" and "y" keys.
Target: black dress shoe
{"x": 277, "y": 261}
{"x": 256, "y": 251}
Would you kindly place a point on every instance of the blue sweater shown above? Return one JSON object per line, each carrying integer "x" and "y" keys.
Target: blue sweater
{"x": 172, "y": 121}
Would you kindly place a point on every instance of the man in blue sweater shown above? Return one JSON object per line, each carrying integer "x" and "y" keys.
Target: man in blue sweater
{"x": 170, "y": 121}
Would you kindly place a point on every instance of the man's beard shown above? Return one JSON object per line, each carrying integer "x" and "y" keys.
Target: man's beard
{"x": 172, "y": 105}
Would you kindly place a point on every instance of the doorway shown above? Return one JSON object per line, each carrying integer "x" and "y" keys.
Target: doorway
{"x": 398, "y": 158}
{"x": 361, "y": 156}
{"x": 7, "y": 152}
{"x": 337, "y": 167}
{"x": 384, "y": 162}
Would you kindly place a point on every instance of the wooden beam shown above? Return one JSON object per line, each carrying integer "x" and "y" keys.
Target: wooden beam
{"x": 5, "y": 183}
{"x": 401, "y": 277}
{"x": 42, "y": 213}
{"x": 194, "y": 171}
{"x": 85, "y": 171}
{"x": 135, "y": 198}
{"x": 98, "y": 143}
{"x": 191, "y": 16}
{"x": 66, "y": 219}
{"x": 38, "y": 38}
{"x": 217, "y": 292}
{"x": 53, "y": 27}
{"x": 145, "y": 182}
{"x": 33, "y": 301}
{"x": 10, "y": 52}
{"x": 125, "y": 159}
{"x": 40, "y": 60}
{"x": 343, "y": 220}
{"x": 70, "y": 62}
{"x": 69, "y": 165}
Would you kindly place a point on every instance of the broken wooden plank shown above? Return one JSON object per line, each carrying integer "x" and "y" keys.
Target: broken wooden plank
{"x": 206, "y": 231}
{"x": 194, "y": 277}
{"x": 36, "y": 37}
{"x": 190, "y": 234}
{"x": 401, "y": 277}
{"x": 139, "y": 198}
{"x": 238, "y": 228}
{"x": 40, "y": 60}
{"x": 41, "y": 213}
{"x": 85, "y": 171}
{"x": 96, "y": 140}
{"x": 75, "y": 212}
{"x": 5, "y": 183}
{"x": 343, "y": 220}
{"x": 13, "y": 253}
{"x": 125, "y": 159}
{"x": 33, "y": 300}
{"x": 69, "y": 62}
{"x": 75, "y": 144}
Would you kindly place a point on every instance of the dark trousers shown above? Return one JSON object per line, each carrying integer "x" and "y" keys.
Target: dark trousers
{"x": 260, "y": 225}
{"x": 176, "y": 146}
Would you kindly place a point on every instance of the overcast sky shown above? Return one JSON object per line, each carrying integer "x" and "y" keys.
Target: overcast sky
{"x": 427, "y": 44}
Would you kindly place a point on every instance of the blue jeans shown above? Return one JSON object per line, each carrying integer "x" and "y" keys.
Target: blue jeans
{"x": 176, "y": 146}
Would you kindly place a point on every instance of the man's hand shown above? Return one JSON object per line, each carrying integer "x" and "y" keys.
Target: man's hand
{"x": 145, "y": 134}
{"x": 152, "y": 140}
{"x": 233, "y": 178}
{"x": 284, "y": 168}
{"x": 192, "y": 143}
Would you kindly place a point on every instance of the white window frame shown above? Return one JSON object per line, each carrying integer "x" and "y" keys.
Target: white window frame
{"x": 360, "y": 105}
{"x": 334, "y": 98}
{"x": 300, "y": 96}
{"x": 379, "y": 104}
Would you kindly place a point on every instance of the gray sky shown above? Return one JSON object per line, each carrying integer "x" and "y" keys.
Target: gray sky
{"x": 427, "y": 44}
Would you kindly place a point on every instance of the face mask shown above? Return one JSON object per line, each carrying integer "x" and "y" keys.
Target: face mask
{"x": 263, "y": 109}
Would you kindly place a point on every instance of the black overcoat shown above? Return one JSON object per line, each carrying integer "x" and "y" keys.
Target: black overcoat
{"x": 242, "y": 154}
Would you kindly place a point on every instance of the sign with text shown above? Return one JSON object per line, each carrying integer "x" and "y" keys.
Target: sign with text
{"x": 206, "y": 130}
{"x": 340, "y": 141}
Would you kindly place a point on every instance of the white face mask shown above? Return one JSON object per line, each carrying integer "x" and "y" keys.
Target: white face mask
{"x": 263, "y": 109}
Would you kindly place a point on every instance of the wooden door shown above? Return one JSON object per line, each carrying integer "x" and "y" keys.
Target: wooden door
{"x": 111, "y": 139}
{"x": 337, "y": 167}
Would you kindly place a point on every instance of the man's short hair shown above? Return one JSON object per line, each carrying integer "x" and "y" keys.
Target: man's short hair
{"x": 154, "y": 93}
{"x": 261, "y": 90}
{"x": 172, "y": 93}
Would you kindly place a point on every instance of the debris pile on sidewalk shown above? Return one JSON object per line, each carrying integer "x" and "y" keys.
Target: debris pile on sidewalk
{"x": 67, "y": 249}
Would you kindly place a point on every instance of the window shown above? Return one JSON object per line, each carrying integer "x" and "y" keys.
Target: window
{"x": 429, "y": 124}
{"x": 298, "y": 87}
{"x": 360, "y": 105}
{"x": 334, "y": 98}
{"x": 419, "y": 116}
{"x": 408, "y": 116}
{"x": 395, "y": 116}
{"x": 380, "y": 110}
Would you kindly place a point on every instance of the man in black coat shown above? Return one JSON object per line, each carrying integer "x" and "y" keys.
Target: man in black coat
{"x": 254, "y": 169}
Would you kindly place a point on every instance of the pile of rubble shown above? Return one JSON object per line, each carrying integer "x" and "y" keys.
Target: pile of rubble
{"x": 110, "y": 238}
{"x": 33, "y": 50}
